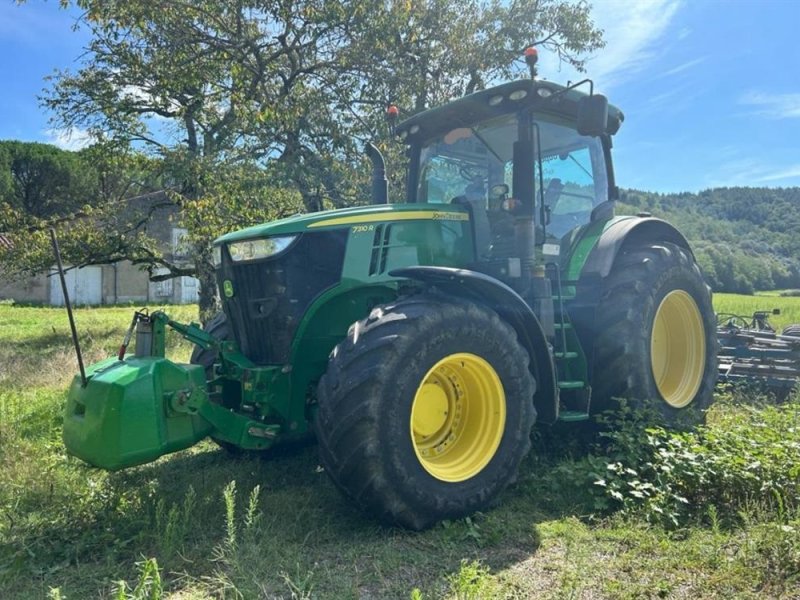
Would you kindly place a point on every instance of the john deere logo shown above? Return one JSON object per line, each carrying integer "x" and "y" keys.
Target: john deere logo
{"x": 227, "y": 287}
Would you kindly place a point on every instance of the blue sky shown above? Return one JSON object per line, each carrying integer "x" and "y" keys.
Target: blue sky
{"x": 710, "y": 88}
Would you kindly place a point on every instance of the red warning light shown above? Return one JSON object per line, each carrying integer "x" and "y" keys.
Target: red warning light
{"x": 392, "y": 111}
{"x": 531, "y": 56}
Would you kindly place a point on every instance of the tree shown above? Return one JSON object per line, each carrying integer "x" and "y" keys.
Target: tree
{"x": 40, "y": 180}
{"x": 290, "y": 86}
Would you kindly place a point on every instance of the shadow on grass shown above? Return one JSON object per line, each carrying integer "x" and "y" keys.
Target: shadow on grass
{"x": 305, "y": 530}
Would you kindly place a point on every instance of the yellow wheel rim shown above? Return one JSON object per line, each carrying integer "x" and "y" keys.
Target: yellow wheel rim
{"x": 458, "y": 417}
{"x": 678, "y": 348}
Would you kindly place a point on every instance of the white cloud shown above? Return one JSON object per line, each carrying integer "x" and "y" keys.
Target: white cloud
{"x": 71, "y": 138}
{"x": 751, "y": 171}
{"x": 792, "y": 172}
{"x": 776, "y": 106}
{"x": 632, "y": 31}
{"x": 685, "y": 66}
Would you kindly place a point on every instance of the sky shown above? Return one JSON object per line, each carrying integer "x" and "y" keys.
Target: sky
{"x": 710, "y": 88}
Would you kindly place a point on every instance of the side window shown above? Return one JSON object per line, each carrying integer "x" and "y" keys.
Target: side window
{"x": 573, "y": 170}
{"x": 570, "y": 193}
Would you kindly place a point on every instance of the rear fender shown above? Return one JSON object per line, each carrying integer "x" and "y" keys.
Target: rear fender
{"x": 512, "y": 309}
{"x": 625, "y": 231}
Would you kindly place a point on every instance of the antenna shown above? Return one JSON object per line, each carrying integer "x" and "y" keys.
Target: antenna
{"x": 68, "y": 305}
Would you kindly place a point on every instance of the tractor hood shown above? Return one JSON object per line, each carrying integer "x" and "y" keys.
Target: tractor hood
{"x": 347, "y": 217}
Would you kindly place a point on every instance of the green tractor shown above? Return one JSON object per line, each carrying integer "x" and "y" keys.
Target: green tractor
{"x": 420, "y": 341}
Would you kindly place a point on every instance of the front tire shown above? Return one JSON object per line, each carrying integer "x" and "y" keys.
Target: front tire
{"x": 425, "y": 410}
{"x": 219, "y": 328}
{"x": 657, "y": 344}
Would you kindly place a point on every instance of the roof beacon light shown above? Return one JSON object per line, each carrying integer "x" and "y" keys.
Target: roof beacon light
{"x": 391, "y": 116}
{"x": 531, "y": 57}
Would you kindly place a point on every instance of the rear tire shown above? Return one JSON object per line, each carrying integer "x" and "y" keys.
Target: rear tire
{"x": 658, "y": 344}
{"x": 425, "y": 410}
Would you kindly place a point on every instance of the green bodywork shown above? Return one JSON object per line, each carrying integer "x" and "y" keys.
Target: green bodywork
{"x": 133, "y": 410}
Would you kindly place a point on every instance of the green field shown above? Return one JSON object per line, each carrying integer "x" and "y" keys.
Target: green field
{"x": 205, "y": 524}
{"x": 746, "y": 305}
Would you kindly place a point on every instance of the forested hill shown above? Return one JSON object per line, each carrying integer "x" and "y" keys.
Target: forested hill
{"x": 745, "y": 238}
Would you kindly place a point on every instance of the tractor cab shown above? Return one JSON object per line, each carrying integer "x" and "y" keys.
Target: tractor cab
{"x": 515, "y": 153}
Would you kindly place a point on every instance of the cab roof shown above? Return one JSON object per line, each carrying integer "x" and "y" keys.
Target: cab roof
{"x": 543, "y": 96}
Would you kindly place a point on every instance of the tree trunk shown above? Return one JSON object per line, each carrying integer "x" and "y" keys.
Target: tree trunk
{"x": 208, "y": 297}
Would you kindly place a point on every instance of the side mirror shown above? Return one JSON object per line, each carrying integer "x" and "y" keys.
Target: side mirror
{"x": 593, "y": 115}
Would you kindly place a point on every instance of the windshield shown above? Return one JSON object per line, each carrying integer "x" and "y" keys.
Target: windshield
{"x": 477, "y": 163}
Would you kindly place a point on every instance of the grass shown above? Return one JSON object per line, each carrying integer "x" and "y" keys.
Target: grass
{"x": 204, "y": 524}
{"x": 746, "y": 305}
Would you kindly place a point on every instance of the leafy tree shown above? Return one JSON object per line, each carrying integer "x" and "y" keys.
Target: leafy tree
{"x": 40, "y": 180}
{"x": 290, "y": 86}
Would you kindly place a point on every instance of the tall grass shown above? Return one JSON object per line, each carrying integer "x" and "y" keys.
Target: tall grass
{"x": 204, "y": 524}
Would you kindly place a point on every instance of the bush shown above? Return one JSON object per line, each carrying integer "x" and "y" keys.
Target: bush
{"x": 747, "y": 455}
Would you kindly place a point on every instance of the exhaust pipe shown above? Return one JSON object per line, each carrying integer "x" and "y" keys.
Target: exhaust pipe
{"x": 380, "y": 186}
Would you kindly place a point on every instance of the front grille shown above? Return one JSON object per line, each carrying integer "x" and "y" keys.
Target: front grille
{"x": 272, "y": 295}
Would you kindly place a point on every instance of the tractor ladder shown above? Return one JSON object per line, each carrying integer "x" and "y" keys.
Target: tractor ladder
{"x": 574, "y": 392}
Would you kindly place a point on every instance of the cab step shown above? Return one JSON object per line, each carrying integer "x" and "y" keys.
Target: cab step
{"x": 565, "y": 355}
{"x": 572, "y": 416}
{"x": 571, "y": 385}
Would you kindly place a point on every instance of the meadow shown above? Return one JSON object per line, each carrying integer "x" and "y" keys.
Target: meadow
{"x": 636, "y": 512}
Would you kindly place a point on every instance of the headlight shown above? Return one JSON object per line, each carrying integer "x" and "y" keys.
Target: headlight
{"x": 262, "y": 248}
{"x": 216, "y": 255}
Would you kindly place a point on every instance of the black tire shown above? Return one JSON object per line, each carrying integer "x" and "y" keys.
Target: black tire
{"x": 633, "y": 296}
{"x": 376, "y": 375}
{"x": 792, "y": 330}
{"x": 220, "y": 330}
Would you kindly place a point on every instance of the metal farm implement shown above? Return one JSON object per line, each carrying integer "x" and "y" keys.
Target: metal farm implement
{"x": 752, "y": 351}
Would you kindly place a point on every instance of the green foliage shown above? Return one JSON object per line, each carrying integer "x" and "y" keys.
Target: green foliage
{"x": 294, "y": 86}
{"x": 471, "y": 582}
{"x": 41, "y": 181}
{"x": 745, "y": 239}
{"x": 148, "y": 585}
{"x": 291, "y": 89}
{"x": 79, "y": 531}
{"x": 89, "y": 206}
{"x": 745, "y": 454}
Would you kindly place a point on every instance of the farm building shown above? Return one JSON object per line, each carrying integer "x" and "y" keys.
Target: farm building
{"x": 117, "y": 283}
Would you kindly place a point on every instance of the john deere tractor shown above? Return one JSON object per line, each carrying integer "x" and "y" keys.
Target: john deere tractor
{"x": 420, "y": 341}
